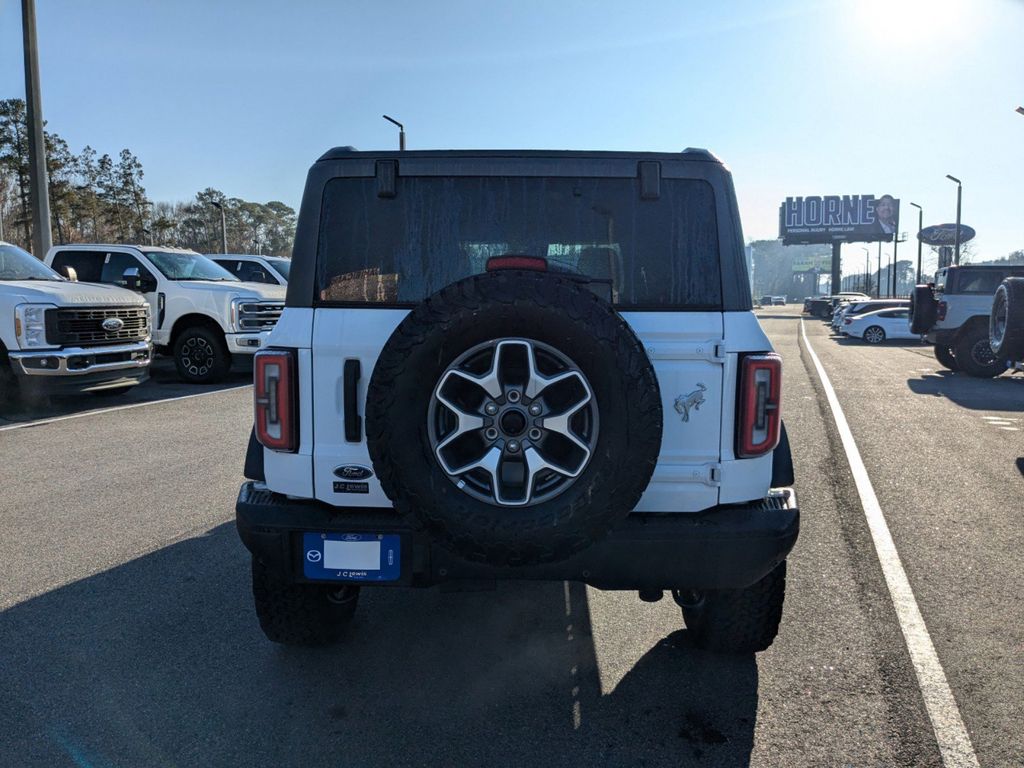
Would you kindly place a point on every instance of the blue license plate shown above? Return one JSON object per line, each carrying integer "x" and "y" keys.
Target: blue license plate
{"x": 351, "y": 556}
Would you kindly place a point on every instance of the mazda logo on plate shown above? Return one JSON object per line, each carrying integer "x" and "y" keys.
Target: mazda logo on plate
{"x": 313, "y": 556}
{"x": 113, "y": 324}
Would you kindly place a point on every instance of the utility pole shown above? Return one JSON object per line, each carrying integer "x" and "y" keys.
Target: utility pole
{"x": 920, "y": 224}
{"x": 956, "y": 246}
{"x": 39, "y": 193}
{"x": 878, "y": 282}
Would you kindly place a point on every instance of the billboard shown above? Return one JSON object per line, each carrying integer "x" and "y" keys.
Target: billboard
{"x": 838, "y": 218}
{"x": 812, "y": 263}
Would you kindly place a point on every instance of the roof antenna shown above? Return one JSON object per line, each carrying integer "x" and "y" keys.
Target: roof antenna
{"x": 401, "y": 132}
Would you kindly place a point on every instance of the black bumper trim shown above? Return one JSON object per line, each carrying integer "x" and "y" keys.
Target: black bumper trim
{"x": 728, "y": 547}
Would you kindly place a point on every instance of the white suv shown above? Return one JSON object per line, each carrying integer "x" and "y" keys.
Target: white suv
{"x": 519, "y": 365}
{"x": 201, "y": 313}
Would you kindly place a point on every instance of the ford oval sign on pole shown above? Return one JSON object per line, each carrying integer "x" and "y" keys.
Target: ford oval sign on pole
{"x": 945, "y": 234}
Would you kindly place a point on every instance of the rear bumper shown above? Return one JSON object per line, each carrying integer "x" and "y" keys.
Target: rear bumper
{"x": 728, "y": 547}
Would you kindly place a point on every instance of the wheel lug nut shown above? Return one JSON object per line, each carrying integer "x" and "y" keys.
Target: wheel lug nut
{"x": 535, "y": 434}
{"x": 491, "y": 433}
{"x": 535, "y": 409}
{"x": 490, "y": 409}
{"x": 513, "y": 446}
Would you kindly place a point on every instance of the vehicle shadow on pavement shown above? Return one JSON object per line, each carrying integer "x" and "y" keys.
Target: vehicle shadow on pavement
{"x": 160, "y": 661}
{"x": 162, "y": 384}
{"x": 999, "y": 394}
{"x": 848, "y": 341}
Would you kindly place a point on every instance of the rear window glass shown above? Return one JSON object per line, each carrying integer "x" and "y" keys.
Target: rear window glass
{"x": 660, "y": 253}
{"x": 979, "y": 280}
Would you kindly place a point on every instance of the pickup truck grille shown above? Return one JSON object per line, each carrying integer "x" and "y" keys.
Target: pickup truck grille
{"x": 259, "y": 315}
{"x": 84, "y": 327}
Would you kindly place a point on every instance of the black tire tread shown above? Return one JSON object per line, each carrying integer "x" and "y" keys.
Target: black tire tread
{"x": 946, "y": 358}
{"x": 298, "y": 614}
{"x": 453, "y": 306}
{"x": 740, "y": 620}
{"x": 1011, "y": 346}
{"x": 222, "y": 362}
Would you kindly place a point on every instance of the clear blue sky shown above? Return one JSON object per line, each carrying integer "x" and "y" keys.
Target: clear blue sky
{"x": 798, "y": 97}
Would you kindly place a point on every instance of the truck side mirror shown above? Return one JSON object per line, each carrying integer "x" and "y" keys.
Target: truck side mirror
{"x": 131, "y": 278}
{"x": 70, "y": 273}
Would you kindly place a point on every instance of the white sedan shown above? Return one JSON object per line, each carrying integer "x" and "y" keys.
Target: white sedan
{"x": 875, "y": 327}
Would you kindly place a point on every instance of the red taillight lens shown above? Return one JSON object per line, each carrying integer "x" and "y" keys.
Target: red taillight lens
{"x": 760, "y": 401}
{"x": 940, "y": 311}
{"x": 275, "y": 396}
{"x": 535, "y": 263}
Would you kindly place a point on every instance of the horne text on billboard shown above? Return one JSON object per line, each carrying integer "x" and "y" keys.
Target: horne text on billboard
{"x": 838, "y": 219}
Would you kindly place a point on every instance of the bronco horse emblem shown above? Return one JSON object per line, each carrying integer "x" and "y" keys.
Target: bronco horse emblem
{"x": 693, "y": 400}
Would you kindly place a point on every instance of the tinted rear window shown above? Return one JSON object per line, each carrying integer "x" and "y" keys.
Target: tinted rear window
{"x": 658, "y": 254}
{"x": 979, "y": 280}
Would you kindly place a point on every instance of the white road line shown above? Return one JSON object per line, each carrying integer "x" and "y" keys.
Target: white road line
{"x": 41, "y": 422}
{"x": 950, "y": 732}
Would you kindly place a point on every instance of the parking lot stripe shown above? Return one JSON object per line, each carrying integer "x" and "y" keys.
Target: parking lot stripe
{"x": 41, "y": 422}
{"x": 950, "y": 733}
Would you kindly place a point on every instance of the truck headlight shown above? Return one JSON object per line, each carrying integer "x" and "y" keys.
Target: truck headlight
{"x": 30, "y": 325}
{"x": 235, "y": 319}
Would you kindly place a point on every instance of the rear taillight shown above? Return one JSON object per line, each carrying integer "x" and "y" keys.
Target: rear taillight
{"x": 940, "y": 311}
{"x": 760, "y": 398}
{"x": 275, "y": 396}
{"x": 534, "y": 263}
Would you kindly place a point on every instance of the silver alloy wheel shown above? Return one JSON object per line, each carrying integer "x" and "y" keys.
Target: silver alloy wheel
{"x": 197, "y": 356}
{"x": 874, "y": 335}
{"x": 512, "y": 422}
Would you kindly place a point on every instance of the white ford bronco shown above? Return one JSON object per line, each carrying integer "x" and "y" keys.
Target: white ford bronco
{"x": 58, "y": 336}
{"x": 519, "y": 365}
{"x": 202, "y": 314}
{"x": 953, "y": 314}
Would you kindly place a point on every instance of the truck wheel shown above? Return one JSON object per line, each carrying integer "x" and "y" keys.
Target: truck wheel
{"x": 301, "y": 614}
{"x": 974, "y": 355}
{"x": 1006, "y": 322}
{"x": 874, "y": 335}
{"x": 944, "y": 354}
{"x": 736, "y": 620}
{"x": 201, "y": 356}
{"x": 514, "y": 416}
{"x": 923, "y": 309}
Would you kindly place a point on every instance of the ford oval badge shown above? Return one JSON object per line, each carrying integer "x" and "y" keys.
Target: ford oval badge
{"x": 112, "y": 324}
{"x": 353, "y": 472}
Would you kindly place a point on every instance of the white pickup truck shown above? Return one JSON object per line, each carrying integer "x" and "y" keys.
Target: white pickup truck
{"x": 58, "y": 336}
{"x": 202, "y": 314}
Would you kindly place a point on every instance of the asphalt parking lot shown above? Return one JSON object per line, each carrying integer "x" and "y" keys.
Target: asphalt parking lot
{"x": 127, "y": 635}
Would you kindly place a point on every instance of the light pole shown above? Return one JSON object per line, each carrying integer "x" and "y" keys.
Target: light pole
{"x": 956, "y": 246}
{"x": 401, "y": 132}
{"x": 867, "y": 267}
{"x": 223, "y": 226}
{"x": 39, "y": 191}
{"x": 920, "y": 223}
{"x": 878, "y": 282}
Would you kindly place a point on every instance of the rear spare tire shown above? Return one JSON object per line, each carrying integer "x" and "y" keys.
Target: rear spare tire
{"x": 922, "y": 309}
{"x": 1006, "y": 321}
{"x": 514, "y": 416}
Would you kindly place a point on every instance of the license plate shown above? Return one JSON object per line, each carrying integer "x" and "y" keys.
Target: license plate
{"x": 351, "y": 556}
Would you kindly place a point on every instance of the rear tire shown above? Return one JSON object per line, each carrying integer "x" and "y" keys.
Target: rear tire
{"x": 975, "y": 356}
{"x": 201, "y": 356}
{"x": 946, "y": 358}
{"x": 301, "y": 614}
{"x": 738, "y": 620}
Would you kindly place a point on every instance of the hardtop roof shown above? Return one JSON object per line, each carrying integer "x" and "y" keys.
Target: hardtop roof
{"x": 693, "y": 154}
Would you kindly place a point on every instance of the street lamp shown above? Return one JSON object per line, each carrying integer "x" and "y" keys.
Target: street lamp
{"x": 867, "y": 268}
{"x": 401, "y": 132}
{"x": 223, "y": 226}
{"x": 956, "y": 246}
{"x": 1020, "y": 110}
{"x": 920, "y": 223}
{"x": 878, "y": 282}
